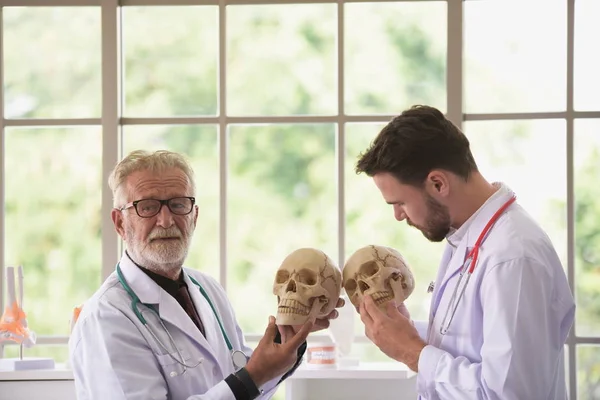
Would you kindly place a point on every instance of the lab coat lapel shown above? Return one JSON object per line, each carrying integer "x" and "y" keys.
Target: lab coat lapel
{"x": 212, "y": 329}
{"x": 450, "y": 268}
{"x": 172, "y": 312}
{"x": 168, "y": 308}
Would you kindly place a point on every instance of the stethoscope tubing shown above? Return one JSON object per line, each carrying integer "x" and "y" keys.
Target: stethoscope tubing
{"x": 471, "y": 260}
{"x": 135, "y": 302}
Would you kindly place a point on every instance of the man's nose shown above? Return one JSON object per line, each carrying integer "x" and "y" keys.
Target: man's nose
{"x": 399, "y": 213}
{"x": 164, "y": 217}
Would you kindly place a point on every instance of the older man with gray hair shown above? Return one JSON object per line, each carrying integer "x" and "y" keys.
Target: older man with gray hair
{"x": 158, "y": 330}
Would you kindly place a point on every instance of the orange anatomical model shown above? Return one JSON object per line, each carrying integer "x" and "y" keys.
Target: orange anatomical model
{"x": 13, "y": 324}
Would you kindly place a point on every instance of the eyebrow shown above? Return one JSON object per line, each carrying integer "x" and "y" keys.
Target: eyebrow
{"x": 394, "y": 202}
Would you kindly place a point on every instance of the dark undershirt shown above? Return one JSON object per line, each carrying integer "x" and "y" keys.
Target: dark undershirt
{"x": 173, "y": 288}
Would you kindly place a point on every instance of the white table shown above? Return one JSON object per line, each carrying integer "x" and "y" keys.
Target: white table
{"x": 56, "y": 384}
{"x": 368, "y": 381}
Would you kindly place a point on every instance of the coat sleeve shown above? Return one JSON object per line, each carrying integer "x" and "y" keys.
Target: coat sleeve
{"x": 421, "y": 327}
{"x": 526, "y": 321}
{"x": 111, "y": 360}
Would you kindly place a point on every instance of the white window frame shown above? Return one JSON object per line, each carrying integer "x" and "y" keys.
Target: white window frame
{"x": 111, "y": 123}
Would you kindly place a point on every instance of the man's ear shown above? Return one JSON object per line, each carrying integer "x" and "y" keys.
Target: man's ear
{"x": 118, "y": 221}
{"x": 437, "y": 183}
{"x": 195, "y": 215}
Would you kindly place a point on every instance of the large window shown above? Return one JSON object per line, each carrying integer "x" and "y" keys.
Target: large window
{"x": 272, "y": 102}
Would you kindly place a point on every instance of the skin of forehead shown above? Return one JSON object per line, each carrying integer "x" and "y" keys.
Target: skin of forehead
{"x": 149, "y": 184}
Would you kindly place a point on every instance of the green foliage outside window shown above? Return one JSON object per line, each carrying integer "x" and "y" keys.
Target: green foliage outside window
{"x": 281, "y": 181}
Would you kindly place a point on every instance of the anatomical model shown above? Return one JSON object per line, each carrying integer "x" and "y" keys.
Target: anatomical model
{"x": 307, "y": 285}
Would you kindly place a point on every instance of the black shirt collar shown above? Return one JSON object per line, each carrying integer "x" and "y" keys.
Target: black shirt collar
{"x": 169, "y": 285}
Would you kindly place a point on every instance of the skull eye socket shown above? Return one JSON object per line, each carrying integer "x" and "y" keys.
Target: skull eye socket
{"x": 307, "y": 277}
{"x": 369, "y": 268}
{"x": 282, "y": 276}
{"x": 350, "y": 285}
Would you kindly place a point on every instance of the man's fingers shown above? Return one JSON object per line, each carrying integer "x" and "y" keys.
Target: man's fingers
{"x": 271, "y": 331}
{"x": 301, "y": 335}
{"x": 286, "y": 332}
{"x": 392, "y": 309}
{"x": 321, "y": 323}
{"x": 371, "y": 308}
{"x": 333, "y": 315}
{"x": 340, "y": 303}
{"x": 365, "y": 317}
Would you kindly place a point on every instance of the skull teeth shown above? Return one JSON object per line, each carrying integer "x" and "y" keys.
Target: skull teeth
{"x": 289, "y": 306}
{"x": 382, "y": 297}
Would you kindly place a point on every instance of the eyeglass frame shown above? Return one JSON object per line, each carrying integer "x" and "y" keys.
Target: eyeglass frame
{"x": 135, "y": 203}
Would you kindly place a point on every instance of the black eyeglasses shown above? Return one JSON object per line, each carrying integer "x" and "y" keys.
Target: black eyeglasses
{"x": 147, "y": 208}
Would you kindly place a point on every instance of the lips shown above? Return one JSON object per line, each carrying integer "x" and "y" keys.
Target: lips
{"x": 166, "y": 238}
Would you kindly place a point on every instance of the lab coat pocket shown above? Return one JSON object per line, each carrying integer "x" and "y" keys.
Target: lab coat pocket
{"x": 172, "y": 363}
{"x": 181, "y": 357}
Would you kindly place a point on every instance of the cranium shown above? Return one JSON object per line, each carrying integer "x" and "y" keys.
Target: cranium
{"x": 380, "y": 272}
{"x": 307, "y": 284}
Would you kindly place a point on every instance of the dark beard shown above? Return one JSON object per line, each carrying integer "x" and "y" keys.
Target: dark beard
{"x": 437, "y": 225}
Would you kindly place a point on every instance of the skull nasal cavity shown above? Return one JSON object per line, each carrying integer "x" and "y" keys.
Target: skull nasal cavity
{"x": 291, "y": 287}
{"x": 362, "y": 286}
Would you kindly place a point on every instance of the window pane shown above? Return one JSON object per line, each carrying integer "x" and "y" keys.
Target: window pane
{"x": 281, "y": 197}
{"x": 49, "y": 71}
{"x": 511, "y": 152}
{"x": 587, "y": 226}
{"x": 199, "y": 144}
{"x": 170, "y": 56}
{"x": 53, "y": 219}
{"x": 519, "y": 69}
{"x": 281, "y": 59}
{"x": 395, "y": 56}
{"x": 59, "y": 353}
{"x": 370, "y": 220}
{"x": 587, "y": 64}
{"x": 588, "y": 372}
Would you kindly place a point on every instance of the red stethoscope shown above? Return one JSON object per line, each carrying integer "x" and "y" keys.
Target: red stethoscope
{"x": 469, "y": 266}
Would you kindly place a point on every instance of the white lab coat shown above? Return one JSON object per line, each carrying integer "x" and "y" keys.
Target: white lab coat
{"x": 114, "y": 357}
{"x": 507, "y": 338}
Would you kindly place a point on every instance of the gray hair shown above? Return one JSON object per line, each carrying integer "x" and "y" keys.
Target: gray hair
{"x": 140, "y": 160}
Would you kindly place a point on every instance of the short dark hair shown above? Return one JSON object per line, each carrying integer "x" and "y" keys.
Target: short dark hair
{"x": 416, "y": 142}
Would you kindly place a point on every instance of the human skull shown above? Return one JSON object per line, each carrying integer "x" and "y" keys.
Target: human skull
{"x": 380, "y": 272}
{"x": 307, "y": 284}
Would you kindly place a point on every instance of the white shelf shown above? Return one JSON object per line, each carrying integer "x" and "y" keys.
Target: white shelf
{"x": 60, "y": 373}
{"x": 362, "y": 371}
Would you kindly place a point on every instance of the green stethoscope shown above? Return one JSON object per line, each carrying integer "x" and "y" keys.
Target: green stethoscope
{"x": 238, "y": 357}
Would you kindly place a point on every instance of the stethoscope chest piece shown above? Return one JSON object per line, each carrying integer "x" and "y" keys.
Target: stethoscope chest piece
{"x": 239, "y": 359}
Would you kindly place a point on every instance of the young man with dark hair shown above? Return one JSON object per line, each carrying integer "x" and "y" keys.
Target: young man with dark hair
{"x": 501, "y": 307}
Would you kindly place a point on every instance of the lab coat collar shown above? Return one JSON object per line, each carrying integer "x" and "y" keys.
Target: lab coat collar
{"x": 486, "y": 212}
{"x": 465, "y": 237}
{"x": 143, "y": 286}
{"x": 456, "y": 235}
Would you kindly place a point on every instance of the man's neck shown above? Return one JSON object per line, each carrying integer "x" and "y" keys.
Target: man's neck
{"x": 474, "y": 193}
{"x": 172, "y": 272}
